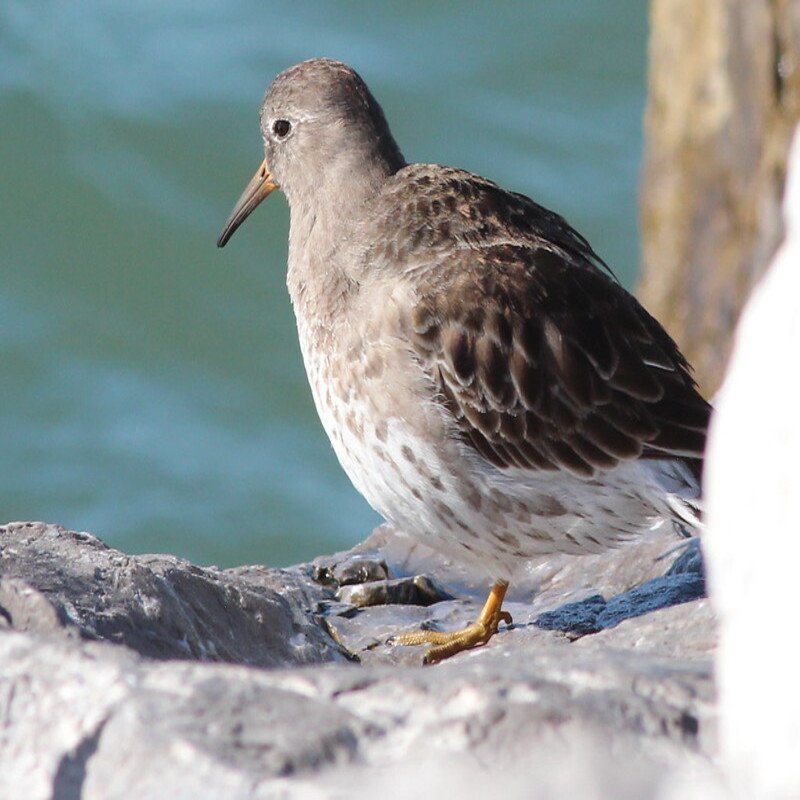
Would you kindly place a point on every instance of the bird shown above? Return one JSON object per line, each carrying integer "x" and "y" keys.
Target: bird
{"x": 486, "y": 382}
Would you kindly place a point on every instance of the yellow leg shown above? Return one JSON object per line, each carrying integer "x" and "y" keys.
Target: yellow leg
{"x": 448, "y": 644}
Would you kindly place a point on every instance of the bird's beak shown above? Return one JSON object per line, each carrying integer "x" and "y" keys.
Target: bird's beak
{"x": 261, "y": 184}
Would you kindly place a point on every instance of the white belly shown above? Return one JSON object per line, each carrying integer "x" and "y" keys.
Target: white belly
{"x": 437, "y": 489}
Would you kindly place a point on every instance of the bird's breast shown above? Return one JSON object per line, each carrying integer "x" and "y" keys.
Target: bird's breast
{"x": 370, "y": 396}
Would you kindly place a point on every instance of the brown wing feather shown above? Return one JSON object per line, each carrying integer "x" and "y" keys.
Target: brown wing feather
{"x": 543, "y": 359}
{"x": 545, "y": 363}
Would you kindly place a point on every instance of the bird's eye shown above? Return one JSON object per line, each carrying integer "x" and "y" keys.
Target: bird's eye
{"x": 281, "y": 128}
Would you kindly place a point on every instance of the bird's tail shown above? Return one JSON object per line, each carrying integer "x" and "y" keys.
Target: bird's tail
{"x": 681, "y": 486}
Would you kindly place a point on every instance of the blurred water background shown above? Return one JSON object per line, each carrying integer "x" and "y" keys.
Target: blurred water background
{"x": 152, "y": 387}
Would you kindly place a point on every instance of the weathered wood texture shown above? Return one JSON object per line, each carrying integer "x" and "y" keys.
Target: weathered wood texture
{"x": 724, "y": 97}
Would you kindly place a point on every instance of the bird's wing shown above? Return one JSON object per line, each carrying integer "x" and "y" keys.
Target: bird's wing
{"x": 545, "y": 362}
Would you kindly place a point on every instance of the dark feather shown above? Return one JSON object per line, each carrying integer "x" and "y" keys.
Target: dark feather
{"x": 541, "y": 357}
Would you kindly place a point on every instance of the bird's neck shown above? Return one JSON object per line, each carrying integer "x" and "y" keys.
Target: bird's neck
{"x": 325, "y": 221}
{"x": 338, "y": 188}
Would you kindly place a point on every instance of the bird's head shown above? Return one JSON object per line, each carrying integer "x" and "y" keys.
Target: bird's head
{"x": 325, "y": 136}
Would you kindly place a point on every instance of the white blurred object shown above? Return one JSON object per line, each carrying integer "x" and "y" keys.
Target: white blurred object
{"x": 752, "y": 545}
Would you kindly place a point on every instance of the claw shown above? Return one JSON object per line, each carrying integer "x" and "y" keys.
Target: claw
{"x": 446, "y": 645}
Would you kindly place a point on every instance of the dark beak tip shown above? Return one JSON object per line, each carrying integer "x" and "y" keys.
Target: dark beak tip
{"x": 260, "y": 186}
{"x": 232, "y": 224}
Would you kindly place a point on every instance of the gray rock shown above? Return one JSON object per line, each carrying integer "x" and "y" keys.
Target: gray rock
{"x": 104, "y": 693}
{"x": 71, "y": 584}
{"x": 416, "y": 591}
{"x": 683, "y": 582}
{"x": 360, "y": 570}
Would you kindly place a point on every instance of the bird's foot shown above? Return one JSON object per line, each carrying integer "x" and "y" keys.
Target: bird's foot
{"x": 479, "y": 632}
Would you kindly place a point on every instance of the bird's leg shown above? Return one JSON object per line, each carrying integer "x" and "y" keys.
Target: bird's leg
{"x": 448, "y": 644}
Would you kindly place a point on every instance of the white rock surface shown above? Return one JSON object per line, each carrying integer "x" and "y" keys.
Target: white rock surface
{"x": 148, "y": 677}
{"x": 752, "y": 546}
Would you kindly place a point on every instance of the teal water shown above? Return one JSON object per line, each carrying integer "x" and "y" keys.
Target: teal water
{"x": 152, "y": 388}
